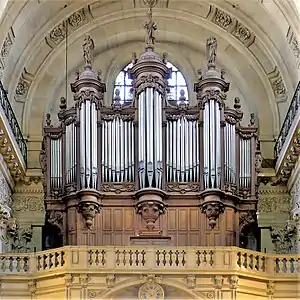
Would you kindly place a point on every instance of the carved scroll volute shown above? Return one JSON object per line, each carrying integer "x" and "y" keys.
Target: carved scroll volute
{"x": 150, "y": 206}
{"x": 212, "y": 210}
{"x": 150, "y": 212}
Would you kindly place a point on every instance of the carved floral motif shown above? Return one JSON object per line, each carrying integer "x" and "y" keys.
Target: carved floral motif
{"x": 222, "y": 19}
{"x": 28, "y": 203}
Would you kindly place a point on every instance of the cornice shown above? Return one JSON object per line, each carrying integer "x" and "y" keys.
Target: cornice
{"x": 10, "y": 152}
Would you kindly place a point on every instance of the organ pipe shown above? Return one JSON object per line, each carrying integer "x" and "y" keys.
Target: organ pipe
{"x": 150, "y": 138}
{"x": 212, "y": 145}
{"x": 182, "y": 158}
{"x": 88, "y": 145}
{"x": 56, "y": 166}
{"x": 117, "y": 150}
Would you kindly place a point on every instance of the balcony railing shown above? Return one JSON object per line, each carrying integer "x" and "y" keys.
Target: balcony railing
{"x": 12, "y": 121}
{"x": 288, "y": 121}
{"x": 166, "y": 259}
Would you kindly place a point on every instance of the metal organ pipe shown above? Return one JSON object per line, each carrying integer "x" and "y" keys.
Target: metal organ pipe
{"x": 117, "y": 149}
{"x": 150, "y": 138}
{"x": 245, "y": 163}
{"x": 212, "y": 145}
{"x": 230, "y": 157}
{"x": 182, "y": 157}
{"x": 56, "y": 159}
{"x": 70, "y": 153}
{"x": 88, "y": 145}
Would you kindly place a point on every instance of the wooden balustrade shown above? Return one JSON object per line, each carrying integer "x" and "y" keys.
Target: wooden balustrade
{"x": 134, "y": 259}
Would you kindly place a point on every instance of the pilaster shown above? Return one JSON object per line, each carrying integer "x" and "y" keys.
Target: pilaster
{"x": 28, "y": 208}
{"x": 273, "y": 211}
{"x": 294, "y": 185}
{"x": 5, "y": 201}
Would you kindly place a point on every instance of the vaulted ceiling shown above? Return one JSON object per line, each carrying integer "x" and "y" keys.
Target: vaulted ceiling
{"x": 258, "y": 45}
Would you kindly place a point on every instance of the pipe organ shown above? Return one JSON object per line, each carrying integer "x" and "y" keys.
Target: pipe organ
{"x": 152, "y": 165}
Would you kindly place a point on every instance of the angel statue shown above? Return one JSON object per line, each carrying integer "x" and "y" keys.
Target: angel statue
{"x": 211, "y": 50}
{"x": 150, "y": 26}
{"x": 88, "y": 47}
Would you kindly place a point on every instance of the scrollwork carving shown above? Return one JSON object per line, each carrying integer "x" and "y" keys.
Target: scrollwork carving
{"x": 118, "y": 188}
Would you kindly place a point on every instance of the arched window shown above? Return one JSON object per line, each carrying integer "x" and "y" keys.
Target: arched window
{"x": 177, "y": 84}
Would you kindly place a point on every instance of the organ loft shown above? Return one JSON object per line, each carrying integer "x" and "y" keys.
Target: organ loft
{"x": 151, "y": 170}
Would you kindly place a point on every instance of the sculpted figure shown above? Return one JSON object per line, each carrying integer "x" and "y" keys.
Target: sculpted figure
{"x": 150, "y": 27}
{"x": 211, "y": 49}
{"x": 88, "y": 47}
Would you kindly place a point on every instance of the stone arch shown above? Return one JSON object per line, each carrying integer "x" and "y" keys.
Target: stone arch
{"x": 112, "y": 293}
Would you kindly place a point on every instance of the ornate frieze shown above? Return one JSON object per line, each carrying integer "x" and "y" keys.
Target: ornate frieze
{"x": 273, "y": 199}
{"x": 25, "y": 202}
{"x": 231, "y": 25}
{"x": 278, "y": 85}
{"x": 67, "y": 26}
{"x": 6, "y": 47}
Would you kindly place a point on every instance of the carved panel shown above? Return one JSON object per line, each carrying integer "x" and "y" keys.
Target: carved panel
{"x": 232, "y": 25}
{"x": 294, "y": 44}
{"x": 278, "y": 85}
{"x": 23, "y": 86}
{"x": 6, "y": 47}
{"x": 70, "y": 24}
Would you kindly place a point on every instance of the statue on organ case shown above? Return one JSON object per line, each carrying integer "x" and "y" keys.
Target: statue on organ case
{"x": 88, "y": 47}
{"x": 211, "y": 49}
{"x": 150, "y": 26}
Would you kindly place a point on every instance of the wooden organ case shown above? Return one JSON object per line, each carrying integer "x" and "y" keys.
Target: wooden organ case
{"x": 150, "y": 171}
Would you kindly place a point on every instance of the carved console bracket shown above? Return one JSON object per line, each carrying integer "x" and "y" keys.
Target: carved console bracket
{"x": 89, "y": 206}
{"x": 212, "y": 206}
{"x": 150, "y": 206}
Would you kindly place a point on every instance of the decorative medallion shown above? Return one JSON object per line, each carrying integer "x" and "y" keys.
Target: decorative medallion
{"x": 151, "y": 290}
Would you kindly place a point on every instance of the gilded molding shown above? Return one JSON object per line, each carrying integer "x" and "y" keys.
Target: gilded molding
{"x": 67, "y": 26}
{"x": 10, "y": 155}
{"x": 291, "y": 156}
{"x": 231, "y": 25}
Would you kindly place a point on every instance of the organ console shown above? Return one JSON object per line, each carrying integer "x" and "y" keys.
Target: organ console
{"x": 151, "y": 171}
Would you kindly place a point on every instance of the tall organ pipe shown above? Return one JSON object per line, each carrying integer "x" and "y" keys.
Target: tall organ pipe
{"x": 182, "y": 150}
{"x": 150, "y": 139}
{"x": 56, "y": 160}
{"x": 88, "y": 145}
{"x": 230, "y": 151}
{"x": 117, "y": 150}
{"x": 212, "y": 145}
